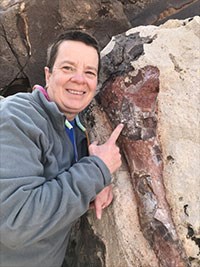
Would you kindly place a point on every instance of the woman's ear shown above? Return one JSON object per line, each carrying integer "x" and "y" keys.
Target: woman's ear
{"x": 47, "y": 75}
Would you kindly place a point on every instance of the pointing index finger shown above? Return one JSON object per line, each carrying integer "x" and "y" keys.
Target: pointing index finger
{"x": 115, "y": 134}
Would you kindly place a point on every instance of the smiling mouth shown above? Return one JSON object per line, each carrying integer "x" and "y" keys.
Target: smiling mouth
{"x": 73, "y": 92}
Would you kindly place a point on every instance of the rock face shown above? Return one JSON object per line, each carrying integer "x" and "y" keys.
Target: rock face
{"x": 27, "y": 28}
{"x": 150, "y": 82}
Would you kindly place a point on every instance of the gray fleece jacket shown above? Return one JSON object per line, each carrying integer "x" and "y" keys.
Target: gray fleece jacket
{"x": 42, "y": 191}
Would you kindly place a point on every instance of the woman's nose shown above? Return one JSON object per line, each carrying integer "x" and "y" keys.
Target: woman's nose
{"x": 78, "y": 77}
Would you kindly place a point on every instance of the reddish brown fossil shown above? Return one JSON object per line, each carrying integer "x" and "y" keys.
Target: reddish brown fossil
{"x": 132, "y": 99}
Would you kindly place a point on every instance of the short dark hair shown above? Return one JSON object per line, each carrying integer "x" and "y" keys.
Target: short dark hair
{"x": 72, "y": 36}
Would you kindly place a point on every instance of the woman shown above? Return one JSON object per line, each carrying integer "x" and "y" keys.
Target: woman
{"x": 49, "y": 177}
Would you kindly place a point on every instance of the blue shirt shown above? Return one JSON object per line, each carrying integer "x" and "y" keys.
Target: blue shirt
{"x": 72, "y": 137}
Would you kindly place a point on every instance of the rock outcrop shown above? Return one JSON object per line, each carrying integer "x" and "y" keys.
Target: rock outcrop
{"x": 150, "y": 82}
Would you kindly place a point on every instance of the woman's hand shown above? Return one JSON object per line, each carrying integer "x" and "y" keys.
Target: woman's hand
{"x": 109, "y": 151}
{"x": 102, "y": 200}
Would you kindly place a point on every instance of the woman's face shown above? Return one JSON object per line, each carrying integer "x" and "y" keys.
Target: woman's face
{"x": 73, "y": 80}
